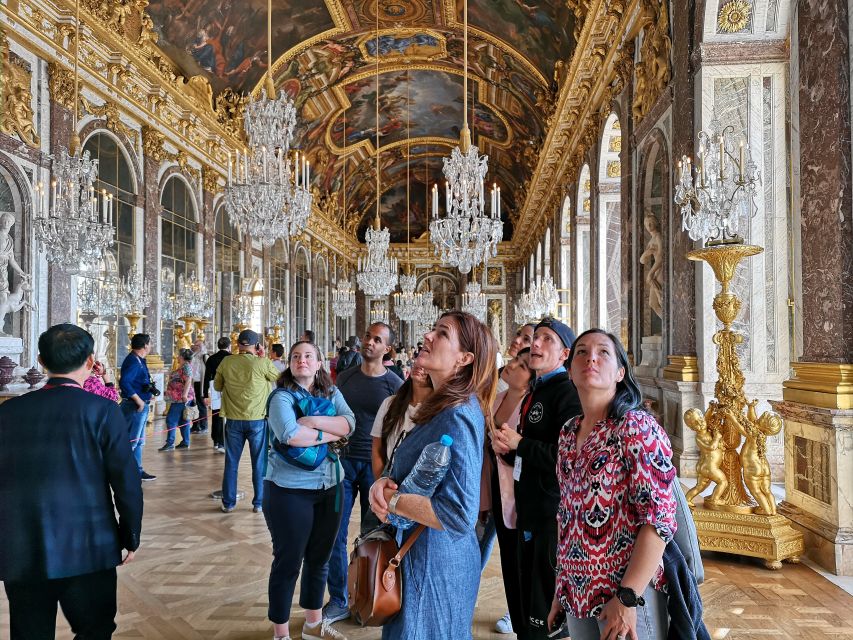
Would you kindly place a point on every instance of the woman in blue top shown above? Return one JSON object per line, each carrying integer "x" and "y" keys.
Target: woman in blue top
{"x": 441, "y": 572}
{"x": 300, "y": 504}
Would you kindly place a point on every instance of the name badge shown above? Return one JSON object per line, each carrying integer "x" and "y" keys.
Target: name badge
{"x": 516, "y": 470}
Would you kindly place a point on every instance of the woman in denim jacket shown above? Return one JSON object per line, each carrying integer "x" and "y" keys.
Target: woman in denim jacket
{"x": 300, "y": 505}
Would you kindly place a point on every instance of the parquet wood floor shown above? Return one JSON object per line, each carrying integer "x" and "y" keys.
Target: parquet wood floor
{"x": 201, "y": 574}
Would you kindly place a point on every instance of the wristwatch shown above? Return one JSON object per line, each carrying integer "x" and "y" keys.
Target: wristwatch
{"x": 628, "y": 597}
{"x": 392, "y": 503}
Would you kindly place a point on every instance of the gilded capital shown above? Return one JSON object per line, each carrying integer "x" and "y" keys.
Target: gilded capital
{"x": 152, "y": 144}
{"x": 210, "y": 180}
{"x": 61, "y": 85}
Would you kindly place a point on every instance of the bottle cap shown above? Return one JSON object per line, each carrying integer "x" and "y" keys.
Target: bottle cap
{"x": 446, "y": 440}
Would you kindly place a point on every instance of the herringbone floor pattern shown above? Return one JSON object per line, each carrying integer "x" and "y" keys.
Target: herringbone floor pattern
{"x": 201, "y": 574}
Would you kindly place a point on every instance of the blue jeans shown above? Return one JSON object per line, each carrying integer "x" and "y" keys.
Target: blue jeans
{"x": 486, "y": 534}
{"x": 174, "y": 418}
{"x": 136, "y": 421}
{"x": 236, "y": 434}
{"x": 358, "y": 477}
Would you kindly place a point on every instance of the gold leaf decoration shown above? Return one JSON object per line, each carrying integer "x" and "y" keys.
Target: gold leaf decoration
{"x": 734, "y": 16}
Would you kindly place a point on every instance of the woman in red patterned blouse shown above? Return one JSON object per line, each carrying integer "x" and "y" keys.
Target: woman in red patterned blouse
{"x": 617, "y": 509}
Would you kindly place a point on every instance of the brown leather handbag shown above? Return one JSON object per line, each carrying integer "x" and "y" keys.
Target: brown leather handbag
{"x": 375, "y": 580}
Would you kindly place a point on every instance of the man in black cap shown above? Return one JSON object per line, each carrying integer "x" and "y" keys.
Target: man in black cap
{"x": 532, "y": 451}
{"x": 244, "y": 380}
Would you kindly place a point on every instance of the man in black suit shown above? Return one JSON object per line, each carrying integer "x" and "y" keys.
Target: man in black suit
{"x": 217, "y": 431}
{"x": 64, "y": 459}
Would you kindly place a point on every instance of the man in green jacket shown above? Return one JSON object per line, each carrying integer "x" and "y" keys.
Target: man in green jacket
{"x": 244, "y": 380}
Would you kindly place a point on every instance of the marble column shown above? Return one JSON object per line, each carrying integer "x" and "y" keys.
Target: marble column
{"x": 680, "y": 382}
{"x": 682, "y": 285}
{"x": 58, "y": 282}
{"x": 818, "y": 400}
{"x": 208, "y": 234}
{"x": 597, "y": 216}
{"x": 152, "y": 150}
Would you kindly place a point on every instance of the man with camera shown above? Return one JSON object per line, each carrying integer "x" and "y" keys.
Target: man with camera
{"x": 137, "y": 388}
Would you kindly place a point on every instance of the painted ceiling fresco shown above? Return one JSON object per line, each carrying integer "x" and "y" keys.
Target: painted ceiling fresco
{"x": 325, "y": 56}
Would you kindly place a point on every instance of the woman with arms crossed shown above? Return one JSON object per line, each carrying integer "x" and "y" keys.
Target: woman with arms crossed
{"x": 300, "y": 505}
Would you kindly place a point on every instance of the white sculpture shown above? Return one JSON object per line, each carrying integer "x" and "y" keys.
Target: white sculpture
{"x": 11, "y": 302}
{"x": 652, "y": 258}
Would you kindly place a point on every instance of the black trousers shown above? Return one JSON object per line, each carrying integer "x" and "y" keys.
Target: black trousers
{"x": 201, "y": 424}
{"x": 217, "y": 427}
{"x": 537, "y": 571}
{"x": 508, "y": 546}
{"x": 88, "y": 602}
{"x": 304, "y": 525}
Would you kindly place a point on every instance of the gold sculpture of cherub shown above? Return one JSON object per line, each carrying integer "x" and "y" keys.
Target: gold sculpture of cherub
{"x": 711, "y": 450}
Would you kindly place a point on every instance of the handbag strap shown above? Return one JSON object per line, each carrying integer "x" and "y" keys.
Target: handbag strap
{"x": 397, "y": 559}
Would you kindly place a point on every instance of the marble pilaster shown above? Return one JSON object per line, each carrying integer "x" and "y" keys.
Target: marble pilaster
{"x": 59, "y": 283}
{"x": 151, "y": 247}
{"x": 826, "y": 202}
{"x": 682, "y": 289}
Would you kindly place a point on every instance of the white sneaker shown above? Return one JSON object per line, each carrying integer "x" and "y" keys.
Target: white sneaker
{"x": 321, "y": 632}
{"x": 281, "y": 638}
{"x": 504, "y": 625}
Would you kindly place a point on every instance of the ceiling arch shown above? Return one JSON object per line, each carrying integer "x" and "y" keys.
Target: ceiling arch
{"x": 326, "y": 54}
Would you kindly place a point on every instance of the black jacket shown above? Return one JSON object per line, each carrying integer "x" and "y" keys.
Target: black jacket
{"x": 65, "y": 459}
{"x": 684, "y": 605}
{"x": 210, "y": 370}
{"x": 349, "y": 358}
{"x": 537, "y": 495}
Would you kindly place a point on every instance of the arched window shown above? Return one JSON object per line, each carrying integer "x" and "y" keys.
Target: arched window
{"x": 321, "y": 305}
{"x": 179, "y": 250}
{"x": 609, "y": 232}
{"x": 583, "y": 267}
{"x": 227, "y": 251}
{"x": 301, "y": 292}
{"x": 278, "y": 284}
{"x": 116, "y": 177}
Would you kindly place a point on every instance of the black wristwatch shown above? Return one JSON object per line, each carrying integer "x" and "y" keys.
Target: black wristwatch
{"x": 628, "y": 597}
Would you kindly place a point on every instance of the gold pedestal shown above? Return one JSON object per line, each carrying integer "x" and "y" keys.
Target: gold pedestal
{"x": 771, "y": 538}
{"x": 740, "y": 515}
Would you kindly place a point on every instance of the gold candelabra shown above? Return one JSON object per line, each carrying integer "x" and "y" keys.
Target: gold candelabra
{"x": 235, "y": 333}
{"x": 740, "y": 515}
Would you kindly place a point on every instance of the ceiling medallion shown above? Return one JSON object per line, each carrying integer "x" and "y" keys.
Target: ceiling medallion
{"x": 467, "y": 235}
{"x": 734, "y": 16}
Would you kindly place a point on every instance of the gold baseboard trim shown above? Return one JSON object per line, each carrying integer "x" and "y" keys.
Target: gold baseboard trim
{"x": 820, "y": 384}
{"x": 682, "y": 369}
{"x": 770, "y": 538}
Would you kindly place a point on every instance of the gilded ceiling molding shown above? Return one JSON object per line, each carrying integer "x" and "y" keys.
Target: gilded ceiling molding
{"x": 597, "y": 73}
{"x": 16, "y": 112}
{"x": 120, "y": 64}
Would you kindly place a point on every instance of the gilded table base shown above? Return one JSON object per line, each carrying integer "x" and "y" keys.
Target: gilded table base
{"x": 771, "y": 538}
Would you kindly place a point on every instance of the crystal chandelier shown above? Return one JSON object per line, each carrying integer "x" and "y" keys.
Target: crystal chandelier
{"x": 474, "y": 301}
{"x": 537, "y": 302}
{"x": 266, "y": 195}
{"x": 379, "y": 311}
{"x": 197, "y": 302}
{"x": 136, "y": 291}
{"x": 407, "y": 303}
{"x": 343, "y": 299}
{"x": 73, "y": 223}
{"x": 377, "y": 271}
{"x": 427, "y": 315}
{"x": 244, "y": 306}
{"x": 467, "y": 236}
{"x": 718, "y": 193}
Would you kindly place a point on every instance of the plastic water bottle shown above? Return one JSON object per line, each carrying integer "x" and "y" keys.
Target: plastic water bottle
{"x": 425, "y": 476}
